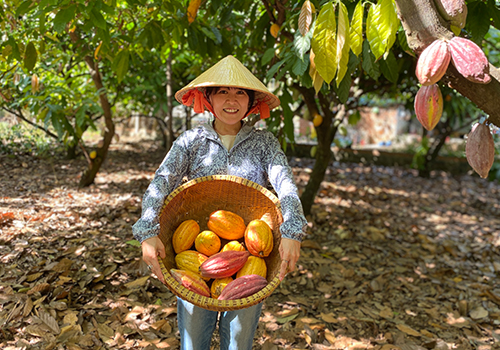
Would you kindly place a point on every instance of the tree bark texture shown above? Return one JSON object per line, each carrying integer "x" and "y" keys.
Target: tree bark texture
{"x": 423, "y": 24}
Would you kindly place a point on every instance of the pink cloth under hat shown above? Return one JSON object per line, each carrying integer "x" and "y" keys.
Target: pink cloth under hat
{"x": 227, "y": 72}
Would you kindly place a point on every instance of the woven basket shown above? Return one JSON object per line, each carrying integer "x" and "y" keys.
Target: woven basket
{"x": 196, "y": 200}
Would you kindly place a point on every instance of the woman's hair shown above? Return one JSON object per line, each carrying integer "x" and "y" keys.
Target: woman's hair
{"x": 210, "y": 90}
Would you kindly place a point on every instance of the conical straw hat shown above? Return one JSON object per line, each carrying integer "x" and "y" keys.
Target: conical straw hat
{"x": 232, "y": 73}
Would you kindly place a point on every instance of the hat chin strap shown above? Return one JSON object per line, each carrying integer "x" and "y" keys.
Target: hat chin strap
{"x": 200, "y": 103}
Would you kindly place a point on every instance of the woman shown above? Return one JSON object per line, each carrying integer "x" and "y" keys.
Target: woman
{"x": 226, "y": 146}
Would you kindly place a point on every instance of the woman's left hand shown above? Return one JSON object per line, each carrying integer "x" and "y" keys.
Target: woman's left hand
{"x": 290, "y": 253}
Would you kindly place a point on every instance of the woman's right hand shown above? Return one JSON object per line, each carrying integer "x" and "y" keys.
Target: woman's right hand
{"x": 151, "y": 248}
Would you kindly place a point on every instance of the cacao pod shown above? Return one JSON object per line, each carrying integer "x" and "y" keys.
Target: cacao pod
{"x": 226, "y": 224}
{"x": 469, "y": 60}
{"x": 275, "y": 28}
{"x": 218, "y": 286}
{"x": 429, "y": 106}
{"x": 243, "y": 287}
{"x": 192, "y": 10}
{"x": 259, "y": 238}
{"x": 191, "y": 281}
{"x": 223, "y": 264}
{"x": 433, "y": 62}
{"x": 480, "y": 149}
{"x": 253, "y": 266}
{"x": 233, "y": 245}
{"x": 208, "y": 243}
{"x": 185, "y": 235}
{"x": 190, "y": 260}
{"x": 453, "y": 11}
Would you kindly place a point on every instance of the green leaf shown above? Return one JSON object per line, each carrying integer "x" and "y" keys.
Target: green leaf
{"x": 120, "y": 64}
{"x": 343, "y": 45}
{"x": 354, "y": 118}
{"x": 97, "y": 18}
{"x": 302, "y": 44}
{"x": 300, "y": 66}
{"x": 286, "y": 101}
{"x": 373, "y": 35}
{"x": 370, "y": 65}
{"x": 476, "y": 24}
{"x": 217, "y": 34}
{"x": 271, "y": 72}
{"x": 356, "y": 31}
{"x": 63, "y": 17}
{"x": 134, "y": 243}
{"x": 268, "y": 56}
{"x": 324, "y": 43}
{"x": 23, "y": 8}
{"x": 390, "y": 68}
{"x": 403, "y": 43}
{"x": 494, "y": 13}
{"x": 30, "y": 56}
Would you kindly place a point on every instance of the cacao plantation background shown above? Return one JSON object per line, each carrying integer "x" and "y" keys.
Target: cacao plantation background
{"x": 396, "y": 257}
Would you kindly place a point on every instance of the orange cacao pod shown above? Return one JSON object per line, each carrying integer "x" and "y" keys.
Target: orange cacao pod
{"x": 259, "y": 238}
{"x": 480, "y": 149}
{"x": 243, "y": 287}
{"x": 233, "y": 245}
{"x": 184, "y": 236}
{"x": 469, "y": 60}
{"x": 218, "y": 286}
{"x": 226, "y": 224}
{"x": 223, "y": 264}
{"x": 253, "y": 266}
{"x": 433, "y": 62}
{"x": 429, "y": 106}
{"x": 275, "y": 28}
{"x": 454, "y": 11}
{"x": 190, "y": 260}
{"x": 191, "y": 281}
{"x": 192, "y": 10}
{"x": 207, "y": 242}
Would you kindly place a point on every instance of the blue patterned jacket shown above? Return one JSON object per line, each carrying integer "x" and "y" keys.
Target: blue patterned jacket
{"x": 256, "y": 156}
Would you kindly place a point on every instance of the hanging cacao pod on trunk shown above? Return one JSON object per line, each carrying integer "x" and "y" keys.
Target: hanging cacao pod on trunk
{"x": 433, "y": 62}
{"x": 469, "y": 60}
{"x": 429, "y": 106}
{"x": 453, "y": 11}
{"x": 480, "y": 149}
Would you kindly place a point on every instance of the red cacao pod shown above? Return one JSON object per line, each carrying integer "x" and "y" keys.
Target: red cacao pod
{"x": 191, "y": 281}
{"x": 480, "y": 149}
{"x": 454, "y": 11}
{"x": 433, "y": 62}
{"x": 429, "y": 106}
{"x": 243, "y": 287}
{"x": 469, "y": 60}
{"x": 223, "y": 264}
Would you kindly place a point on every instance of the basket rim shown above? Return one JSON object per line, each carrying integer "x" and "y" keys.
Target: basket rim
{"x": 208, "y": 302}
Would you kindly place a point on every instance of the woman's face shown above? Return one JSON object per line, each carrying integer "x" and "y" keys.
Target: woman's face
{"x": 230, "y": 104}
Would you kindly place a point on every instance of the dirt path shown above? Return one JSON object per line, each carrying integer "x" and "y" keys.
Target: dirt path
{"x": 392, "y": 261}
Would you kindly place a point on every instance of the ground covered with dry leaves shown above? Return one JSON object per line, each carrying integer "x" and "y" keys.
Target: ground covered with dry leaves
{"x": 392, "y": 261}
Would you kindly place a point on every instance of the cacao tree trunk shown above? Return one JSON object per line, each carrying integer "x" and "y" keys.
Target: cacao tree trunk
{"x": 423, "y": 24}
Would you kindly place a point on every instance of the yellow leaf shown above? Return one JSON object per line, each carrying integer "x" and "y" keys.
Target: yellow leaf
{"x": 96, "y": 52}
{"x": 137, "y": 283}
{"x": 324, "y": 43}
{"x": 408, "y": 330}
{"x": 343, "y": 45}
{"x": 192, "y": 10}
{"x": 356, "y": 30}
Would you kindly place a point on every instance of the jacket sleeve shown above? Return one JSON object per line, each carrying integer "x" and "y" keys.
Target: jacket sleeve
{"x": 281, "y": 178}
{"x": 167, "y": 177}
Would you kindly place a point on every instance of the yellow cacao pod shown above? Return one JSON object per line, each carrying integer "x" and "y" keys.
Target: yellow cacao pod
{"x": 207, "y": 242}
{"x": 429, "y": 106}
{"x": 253, "y": 266}
{"x": 469, "y": 60}
{"x": 226, "y": 224}
{"x": 218, "y": 286}
{"x": 433, "y": 62}
{"x": 275, "y": 28}
{"x": 480, "y": 149}
{"x": 259, "y": 238}
{"x": 234, "y": 246}
{"x": 185, "y": 235}
{"x": 190, "y": 260}
{"x": 191, "y": 281}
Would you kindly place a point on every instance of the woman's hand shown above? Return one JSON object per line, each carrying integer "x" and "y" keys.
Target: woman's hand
{"x": 151, "y": 248}
{"x": 290, "y": 253}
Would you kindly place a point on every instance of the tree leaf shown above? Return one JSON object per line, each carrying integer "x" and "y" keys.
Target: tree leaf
{"x": 62, "y": 18}
{"x": 390, "y": 68}
{"x": 324, "y": 43}
{"x": 356, "y": 30}
{"x": 302, "y": 44}
{"x": 120, "y": 64}
{"x": 389, "y": 24}
{"x": 30, "y": 56}
{"x": 372, "y": 31}
{"x": 267, "y": 56}
{"x": 306, "y": 17}
{"x": 478, "y": 28}
{"x": 300, "y": 66}
{"x": 97, "y": 18}
{"x": 370, "y": 65}
{"x": 343, "y": 45}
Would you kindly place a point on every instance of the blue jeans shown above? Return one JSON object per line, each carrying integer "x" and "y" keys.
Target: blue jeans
{"x": 236, "y": 328}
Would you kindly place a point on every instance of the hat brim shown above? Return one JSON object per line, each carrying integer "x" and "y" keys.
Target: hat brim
{"x": 229, "y": 72}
